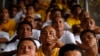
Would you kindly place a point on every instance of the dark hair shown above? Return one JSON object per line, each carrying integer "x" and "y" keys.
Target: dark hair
{"x": 25, "y": 19}
{"x": 69, "y": 47}
{"x": 85, "y": 31}
{"x": 24, "y": 39}
{"x": 23, "y": 22}
{"x": 70, "y": 2}
{"x": 74, "y": 7}
{"x": 29, "y": 5}
{"x": 55, "y": 9}
{"x": 1, "y": 10}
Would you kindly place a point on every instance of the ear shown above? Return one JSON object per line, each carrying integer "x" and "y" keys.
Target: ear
{"x": 97, "y": 39}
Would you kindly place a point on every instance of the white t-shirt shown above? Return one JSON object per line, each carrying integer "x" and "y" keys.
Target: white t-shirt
{"x": 4, "y": 35}
{"x": 67, "y": 38}
{"x": 18, "y": 16}
{"x": 98, "y": 36}
{"x": 36, "y": 34}
{"x": 77, "y": 38}
{"x": 13, "y": 46}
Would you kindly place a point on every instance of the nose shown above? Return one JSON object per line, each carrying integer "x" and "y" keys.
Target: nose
{"x": 86, "y": 39}
{"x": 48, "y": 34}
{"x": 26, "y": 50}
{"x": 58, "y": 24}
{"x": 25, "y": 30}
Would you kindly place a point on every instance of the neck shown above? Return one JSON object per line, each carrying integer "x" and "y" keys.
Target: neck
{"x": 92, "y": 51}
{"x": 59, "y": 33}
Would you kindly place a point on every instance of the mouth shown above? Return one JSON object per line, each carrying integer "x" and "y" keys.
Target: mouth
{"x": 88, "y": 43}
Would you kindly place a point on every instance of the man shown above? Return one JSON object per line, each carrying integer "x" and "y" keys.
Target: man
{"x": 89, "y": 43}
{"x": 70, "y": 50}
{"x": 24, "y": 30}
{"x": 50, "y": 42}
{"x": 27, "y": 47}
{"x": 65, "y": 36}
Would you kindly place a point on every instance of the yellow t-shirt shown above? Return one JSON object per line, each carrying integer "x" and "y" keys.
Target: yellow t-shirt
{"x": 55, "y": 53}
{"x": 9, "y": 26}
{"x": 60, "y": 6}
{"x": 65, "y": 7}
{"x": 72, "y": 21}
{"x": 42, "y": 13}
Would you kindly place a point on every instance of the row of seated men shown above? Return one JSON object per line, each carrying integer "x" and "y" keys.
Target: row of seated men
{"x": 49, "y": 43}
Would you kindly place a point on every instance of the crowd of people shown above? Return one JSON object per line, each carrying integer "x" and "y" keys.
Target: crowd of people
{"x": 48, "y": 28}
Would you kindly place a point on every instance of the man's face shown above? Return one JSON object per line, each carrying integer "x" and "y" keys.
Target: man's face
{"x": 58, "y": 24}
{"x": 25, "y": 31}
{"x": 73, "y": 53}
{"x": 31, "y": 20}
{"x": 88, "y": 39}
{"x": 88, "y": 24}
{"x": 56, "y": 14}
{"x": 48, "y": 36}
{"x": 4, "y": 14}
{"x": 26, "y": 48}
{"x": 77, "y": 11}
{"x": 29, "y": 13}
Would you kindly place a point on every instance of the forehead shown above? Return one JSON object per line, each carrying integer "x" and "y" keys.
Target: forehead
{"x": 73, "y": 52}
{"x": 29, "y": 18}
{"x": 57, "y": 11}
{"x": 4, "y": 10}
{"x": 58, "y": 19}
{"x": 87, "y": 33}
{"x": 26, "y": 42}
{"x": 25, "y": 25}
{"x": 48, "y": 28}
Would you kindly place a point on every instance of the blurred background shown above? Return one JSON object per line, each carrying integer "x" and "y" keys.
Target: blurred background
{"x": 92, "y": 6}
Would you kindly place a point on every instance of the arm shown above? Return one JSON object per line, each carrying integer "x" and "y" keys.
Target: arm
{"x": 59, "y": 43}
{"x": 3, "y": 40}
{"x": 8, "y": 53}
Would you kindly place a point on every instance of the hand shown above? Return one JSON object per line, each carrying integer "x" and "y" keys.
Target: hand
{"x": 82, "y": 45}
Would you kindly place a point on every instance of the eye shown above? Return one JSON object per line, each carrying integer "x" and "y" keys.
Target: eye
{"x": 28, "y": 29}
{"x": 22, "y": 47}
{"x": 51, "y": 33}
{"x": 60, "y": 21}
{"x": 30, "y": 47}
{"x": 44, "y": 32}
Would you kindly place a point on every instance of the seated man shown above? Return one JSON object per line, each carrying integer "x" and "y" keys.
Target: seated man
{"x": 24, "y": 30}
{"x": 89, "y": 43}
{"x": 65, "y": 36}
{"x": 27, "y": 46}
{"x": 70, "y": 50}
{"x": 89, "y": 23}
{"x": 50, "y": 42}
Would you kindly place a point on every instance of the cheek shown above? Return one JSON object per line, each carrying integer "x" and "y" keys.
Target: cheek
{"x": 30, "y": 33}
{"x": 20, "y": 52}
{"x": 32, "y": 52}
{"x": 94, "y": 41}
